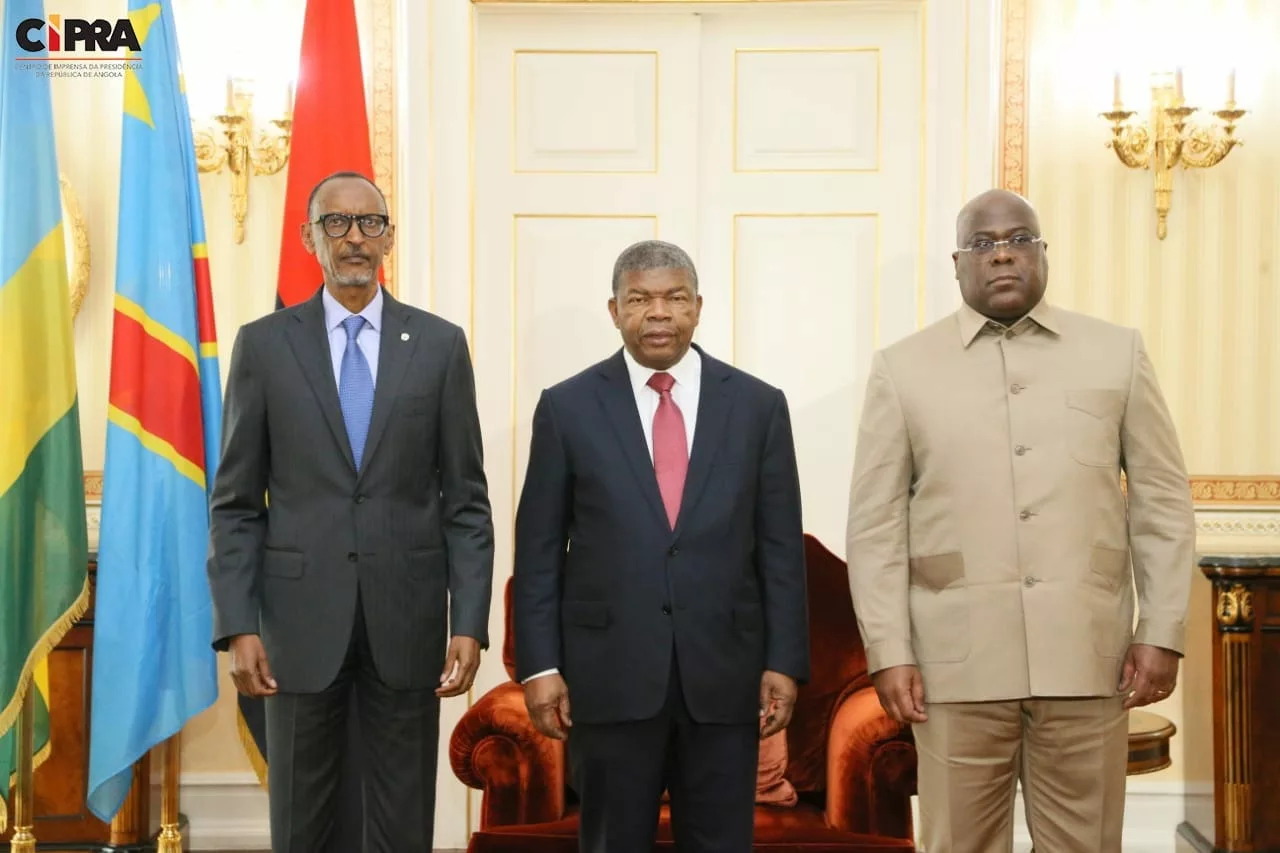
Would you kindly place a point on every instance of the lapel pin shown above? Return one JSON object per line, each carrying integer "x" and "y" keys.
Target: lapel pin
{"x": 404, "y": 336}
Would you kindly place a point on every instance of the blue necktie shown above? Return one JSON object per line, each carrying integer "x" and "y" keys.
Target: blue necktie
{"x": 355, "y": 390}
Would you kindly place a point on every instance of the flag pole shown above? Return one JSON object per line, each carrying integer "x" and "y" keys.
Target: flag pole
{"x": 170, "y": 840}
{"x": 24, "y": 839}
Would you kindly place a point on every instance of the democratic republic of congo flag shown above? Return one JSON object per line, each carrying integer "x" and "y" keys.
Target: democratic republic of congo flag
{"x": 154, "y": 667}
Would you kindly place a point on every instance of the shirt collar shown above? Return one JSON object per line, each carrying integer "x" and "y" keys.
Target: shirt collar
{"x": 973, "y": 324}
{"x": 686, "y": 371}
{"x": 335, "y": 313}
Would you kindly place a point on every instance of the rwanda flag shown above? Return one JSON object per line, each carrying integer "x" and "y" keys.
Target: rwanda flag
{"x": 44, "y": 552}
{"x": 153, "y": 665}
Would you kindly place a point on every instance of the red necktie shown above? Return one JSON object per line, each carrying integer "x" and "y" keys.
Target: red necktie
{"x": 670, "y": 446}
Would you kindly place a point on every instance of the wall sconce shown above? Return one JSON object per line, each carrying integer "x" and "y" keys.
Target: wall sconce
{"x": 240, "y": 151}
{"x": 1169, "y": 140}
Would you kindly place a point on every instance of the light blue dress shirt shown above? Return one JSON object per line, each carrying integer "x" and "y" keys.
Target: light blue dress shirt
{"x": 368, "y": 340}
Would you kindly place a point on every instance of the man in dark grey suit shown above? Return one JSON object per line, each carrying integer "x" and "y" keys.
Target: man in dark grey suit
{"x": 659, "y": 573}
{"x": 351, "y": 532}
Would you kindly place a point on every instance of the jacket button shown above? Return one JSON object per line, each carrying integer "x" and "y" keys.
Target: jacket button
{"x": 672, "y": 551}
{"x": 351, "y": 556}
{"x": 1020, "y": 450}
{"x": 360, "y": 499}
{"x": 666, "y": 610}
{"x": 1025, "y": 514}
{"x": 1030, "y": 582}
{"x": 1015, "y": 389}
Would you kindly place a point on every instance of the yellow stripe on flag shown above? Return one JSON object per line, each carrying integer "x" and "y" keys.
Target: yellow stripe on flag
{"x": 36, "y": 364}
{"x": 40, "y": 680}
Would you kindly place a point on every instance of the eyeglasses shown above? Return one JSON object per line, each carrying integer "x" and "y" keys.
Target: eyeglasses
{"x": 1018, "y": 243}
{"x": 338, "y": 224}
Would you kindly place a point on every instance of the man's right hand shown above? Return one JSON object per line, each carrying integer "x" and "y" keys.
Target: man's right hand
{"x": 901, "y": 694}
{"x": 249, "y": 667}
{"x": 547, "y": 698}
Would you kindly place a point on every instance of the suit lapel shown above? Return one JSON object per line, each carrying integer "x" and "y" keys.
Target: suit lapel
{"x": 619, "y": 403}
{"x": 310, "y": 343}
{"x": 715, "y": 401}
{"x": 393, "y": 358}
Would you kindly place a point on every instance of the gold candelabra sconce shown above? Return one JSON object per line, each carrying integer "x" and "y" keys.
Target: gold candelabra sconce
{"x": 242, "y": 151}
{"x": 1168, "y": 139}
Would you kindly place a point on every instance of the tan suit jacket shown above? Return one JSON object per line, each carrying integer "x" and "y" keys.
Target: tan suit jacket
{"x": 989, "y": 538}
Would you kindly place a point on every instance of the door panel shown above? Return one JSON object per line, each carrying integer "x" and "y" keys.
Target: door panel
{"x": 810, "y": 208}
{"x": 586, "y": 141}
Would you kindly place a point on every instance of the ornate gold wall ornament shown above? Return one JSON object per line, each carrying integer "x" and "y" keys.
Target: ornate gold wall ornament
{"x": 1235, "y": 606}
{"x": 241, "y": 151}
{"x": 78, "y": 257}
{"x": 1169, "y": 139}
{"x": 1236, "y": 490}
{"x": 1013, "y": 99}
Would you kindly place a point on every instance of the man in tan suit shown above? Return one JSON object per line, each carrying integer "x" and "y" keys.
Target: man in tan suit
{"x": 990, "y": 545}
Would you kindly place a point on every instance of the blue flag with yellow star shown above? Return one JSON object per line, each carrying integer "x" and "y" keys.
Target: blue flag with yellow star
{"x": 154, "y": 667}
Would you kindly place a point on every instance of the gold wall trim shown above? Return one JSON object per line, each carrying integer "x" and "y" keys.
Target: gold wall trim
{"x": 384, "y": 117}
{"x": 93, "y": 485}
{"x": 1206, "y": 491}
{"x": 1013, "y": 98}
{"x": 1233, "y": 491}
{"x": 79, "y": 265}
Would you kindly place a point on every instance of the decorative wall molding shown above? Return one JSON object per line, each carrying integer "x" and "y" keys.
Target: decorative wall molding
{"x": 1209, "y": 492}
{"x": 1013, "y": 99}
{"x": 384, "y": 117}
{"x": 1243, "y": 524}
{"x": 1236, "y": 491}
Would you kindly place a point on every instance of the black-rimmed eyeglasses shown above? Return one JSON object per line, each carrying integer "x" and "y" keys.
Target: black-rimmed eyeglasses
{"x": 338, "y": 224}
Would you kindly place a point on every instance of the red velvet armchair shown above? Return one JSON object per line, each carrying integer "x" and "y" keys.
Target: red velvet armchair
{"x": 853, "y": 768}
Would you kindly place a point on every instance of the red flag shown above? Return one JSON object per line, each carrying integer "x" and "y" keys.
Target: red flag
{"x": 330, "y": 132}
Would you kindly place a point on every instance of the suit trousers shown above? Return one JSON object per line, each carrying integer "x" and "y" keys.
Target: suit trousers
{"x": 1070, "y": 756}
{"x": 306, "y": 743}
{"x": 620, "y": 771}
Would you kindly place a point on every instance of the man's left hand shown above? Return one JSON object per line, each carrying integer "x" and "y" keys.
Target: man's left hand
{"x": 777, "y": 701}
{"x": 460, "y": 666}
{"x": 1150, "y": 674}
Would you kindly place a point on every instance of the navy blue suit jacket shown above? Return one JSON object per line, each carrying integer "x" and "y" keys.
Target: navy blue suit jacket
{"x": 603, "y": 587}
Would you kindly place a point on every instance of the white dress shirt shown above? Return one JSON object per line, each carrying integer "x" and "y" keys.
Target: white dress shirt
{"x": 688, "y": 375}
{"x": 368, "y": 338}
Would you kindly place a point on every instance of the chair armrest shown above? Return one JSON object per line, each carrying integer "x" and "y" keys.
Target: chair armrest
{"x": 871, "y": 769}
{"x": 496, "y": 749}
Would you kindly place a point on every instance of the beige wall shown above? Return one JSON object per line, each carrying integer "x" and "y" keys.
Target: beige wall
{"x": 1207, "y": 297}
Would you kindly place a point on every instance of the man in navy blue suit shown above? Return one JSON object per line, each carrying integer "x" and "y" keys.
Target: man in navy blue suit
{"x": 659, "y": 592}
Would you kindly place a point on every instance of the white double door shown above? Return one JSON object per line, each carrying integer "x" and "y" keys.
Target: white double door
{"x": 782, "y": 148}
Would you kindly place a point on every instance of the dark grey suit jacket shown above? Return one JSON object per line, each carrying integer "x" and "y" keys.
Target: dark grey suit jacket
{"x": 604, "y": 588}
{"x": 296, "y": 533}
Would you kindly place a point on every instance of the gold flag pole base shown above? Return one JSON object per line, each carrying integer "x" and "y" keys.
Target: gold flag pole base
{"x": 170, "y": 840}
{"x": 24, "y": 839}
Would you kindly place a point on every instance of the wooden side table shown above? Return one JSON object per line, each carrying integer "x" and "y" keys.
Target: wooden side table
{"x": 1149, "y": 736}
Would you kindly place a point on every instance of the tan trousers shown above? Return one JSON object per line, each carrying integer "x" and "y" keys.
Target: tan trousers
{"x": 1069, "y": 754}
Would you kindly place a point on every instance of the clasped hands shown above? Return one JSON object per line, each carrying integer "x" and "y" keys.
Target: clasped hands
{"x": 547, "y": 699}
{"x": 251, "y": 671}
{"x": 1150, "y": 674}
